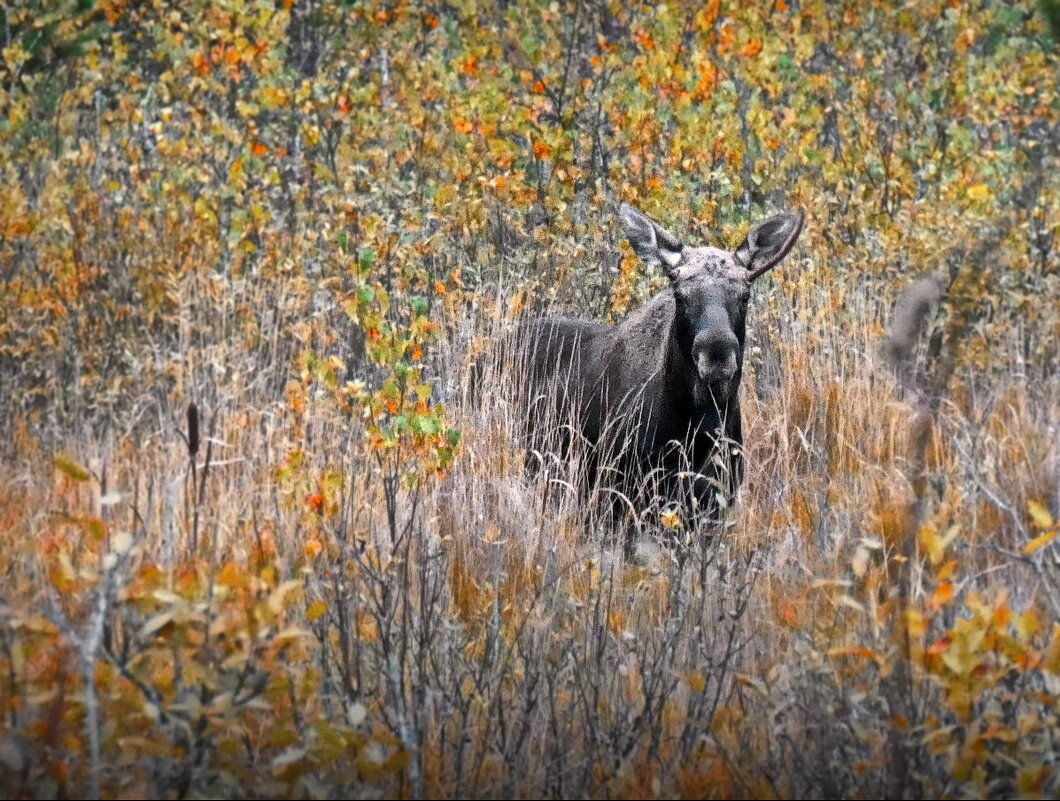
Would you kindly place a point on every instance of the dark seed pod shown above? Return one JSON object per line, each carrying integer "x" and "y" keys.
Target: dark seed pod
{"x": 193, "y": 430}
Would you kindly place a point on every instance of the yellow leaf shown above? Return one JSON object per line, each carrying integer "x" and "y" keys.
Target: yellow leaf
{"x": 315, "y": 611}
{"x": 697, "y": 682}
{"x": 946, "y": 570}
{"x": 917, "y": 623}
{"x": 156, "y": 623}
{"x": 933, "y": 544}
{"x": 846, "y": 600}
{"x": 1026, "y": 625}
{"x": 282, "y": 764}
{"x": 397, "y": 762}
{"x": 1039, "y": 542}
{"x": 293, "y": 633}
{"x": 1031, "y": 779}
{"x": 979, "y": 192}
{"x": 756, "y": 684}
{"x": 95, "y": 528}
{"x": 1039, "y": 514}
{"x": 71, "y": 469}
{"x": 860, "y": 562}
{"x": 1052, "y": 653}
{"x": 851, "y": 651}
{"x": 279, "y": 595}
{"x": 232, "y": 576}
{"x": 670, "y": 520}
{"x": 961, "y": 661}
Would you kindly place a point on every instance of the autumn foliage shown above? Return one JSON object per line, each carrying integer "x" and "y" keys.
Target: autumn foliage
{"x": 257, "y": 538}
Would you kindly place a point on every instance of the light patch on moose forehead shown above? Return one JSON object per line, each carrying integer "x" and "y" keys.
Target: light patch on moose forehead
{"x": 710, "y": 264}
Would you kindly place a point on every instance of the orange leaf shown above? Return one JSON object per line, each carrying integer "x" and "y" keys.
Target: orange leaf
{"x": 643, "y": 39}
{"x": 940, "y": 646}
{"x": 725, "y": 38}
{"x": 200, "y": 63}
{"x": 1002, "y": 616}
{"x": 787, "y": 614}
{"x": 231, "y": 576}
{"x": 752, "y": 48}
{"x": 942, "y": 595}
{"x": 462, "y": 126}
{"x": 541, "y": 150}
{"x": 258, "y": 149}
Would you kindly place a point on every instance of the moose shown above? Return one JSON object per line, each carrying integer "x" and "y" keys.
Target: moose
{"x": 654, "y": 398}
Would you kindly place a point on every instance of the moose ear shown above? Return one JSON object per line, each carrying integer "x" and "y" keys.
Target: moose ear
{"x": 768, "y": 243}
{"x": 652, "y": 243}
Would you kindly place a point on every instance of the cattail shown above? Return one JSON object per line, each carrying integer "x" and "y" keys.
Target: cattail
{"x": 910, "y": 314}
{"x": 193, "y": 430}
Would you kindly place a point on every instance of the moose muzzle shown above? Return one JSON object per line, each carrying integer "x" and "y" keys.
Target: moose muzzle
{"x": 715, "y": 353}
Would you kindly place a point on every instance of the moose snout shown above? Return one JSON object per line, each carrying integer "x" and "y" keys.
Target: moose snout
{"x": 715, "y": 353}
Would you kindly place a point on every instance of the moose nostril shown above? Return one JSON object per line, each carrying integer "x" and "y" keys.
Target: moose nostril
{"x": 719, "y": 350}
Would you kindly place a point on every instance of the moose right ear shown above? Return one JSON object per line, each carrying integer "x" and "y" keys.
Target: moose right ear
{"x": 768, "y": 243}
{"x": 652, "y": 243}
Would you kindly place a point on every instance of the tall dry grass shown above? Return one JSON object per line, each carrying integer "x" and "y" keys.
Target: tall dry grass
{"x": 487, "y": 634}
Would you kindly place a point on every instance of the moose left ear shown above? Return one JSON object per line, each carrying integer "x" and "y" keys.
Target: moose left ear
{"x": 652, "y": 243}
{"x": 768, "y": 243}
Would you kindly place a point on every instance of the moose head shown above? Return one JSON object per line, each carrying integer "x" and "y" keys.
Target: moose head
{"x": 711, "y": 289}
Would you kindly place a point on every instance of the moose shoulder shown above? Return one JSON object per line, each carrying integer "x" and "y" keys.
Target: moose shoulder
{"x": 655, "y": 397}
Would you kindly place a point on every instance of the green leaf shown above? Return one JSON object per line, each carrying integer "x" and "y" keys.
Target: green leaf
{"x": 425, "y": 425}
{"x": 419, "y": 306}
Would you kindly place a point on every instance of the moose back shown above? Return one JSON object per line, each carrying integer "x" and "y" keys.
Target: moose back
{"x": 653, "y": 401}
